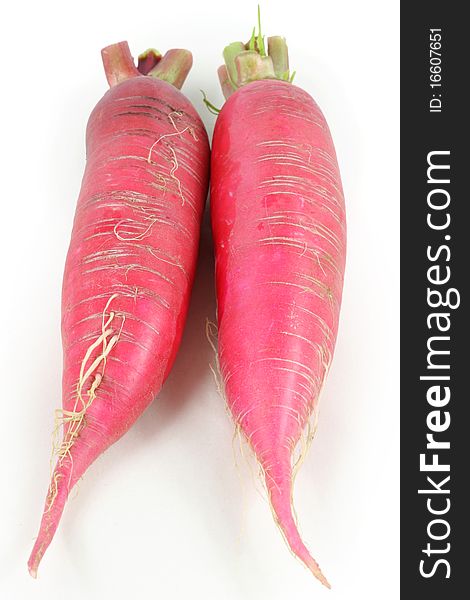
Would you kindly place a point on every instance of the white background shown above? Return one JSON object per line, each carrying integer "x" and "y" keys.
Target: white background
{"x": 166, "y": 512}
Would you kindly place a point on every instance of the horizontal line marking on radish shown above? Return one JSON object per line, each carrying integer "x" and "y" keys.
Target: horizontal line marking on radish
{"x": 129, "y": 196}
{"x": 286, "y": 161}
{"x": 99, "y": 234}
{"x": 138, "y": 133}
{"x": 319, "y": 348}
{"x": 120, "y": 253}
{"x": 156, "y": 177}
{"x": 291, "y": 412}
{"x": 127, "y": 315}
{"x": 130, "y": 267}
{"x": 133, "y": 293}
{"x": 282, "y": 359}
{"x": 311, "y": 388}
{"x": 312, "y": 380}
{"x": 110, "y": 254}
{"x": 303, "y": 288}
{"x": 138, "y": 113}
{"x": 303, "y": 246}
{"x": 298, "y": 182}
{"x": 137, "y": 207}
{"x": 124, "y": 157}
{"x": 313, "y": 227}
{"x": 156, "y": 165}
{"x": 126, "y": 337}
{"x": 310, "y": 200}
{"x": 128, "y": 291}
{"x": 157, "y": 109}
{"x": 298, "y": 410}
{"x": 129, "y": 338}
{"x": 320, "y": 172}
{"x": 174, "y": 224}
{"x": 290, "y": 241}
{"x": 286, "y": 109}
{"x": 151, "y": 107}
{"x": 109, "y": 385}
{"x": 324, "y": 287}
{"x": 307, "y": 191}
{"x": 317, "y": 253}
{"x": 144, "y": 97}
{"x": 335, "y": 198}
{"x": 159, "y": 101}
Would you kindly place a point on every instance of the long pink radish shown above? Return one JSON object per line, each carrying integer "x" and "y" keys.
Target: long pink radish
{"x": 279, "y": 228}
{"x": 130, "y": 264}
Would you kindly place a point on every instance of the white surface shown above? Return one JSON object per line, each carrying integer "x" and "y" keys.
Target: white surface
{"x": 165, "y": 513}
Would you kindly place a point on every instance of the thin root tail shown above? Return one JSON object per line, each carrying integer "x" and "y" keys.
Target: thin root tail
{"x": 55, "y": 502}
{"x": 280, "y": 496}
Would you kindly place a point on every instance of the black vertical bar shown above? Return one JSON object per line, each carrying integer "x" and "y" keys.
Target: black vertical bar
{"x": 434, "y": 119}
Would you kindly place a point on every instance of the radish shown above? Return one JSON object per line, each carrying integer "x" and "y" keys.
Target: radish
{"x": 130, "y": 264}
{"x": 278, "y": 220}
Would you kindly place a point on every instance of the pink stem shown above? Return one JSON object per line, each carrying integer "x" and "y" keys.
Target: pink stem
{"x": 118, "y": 63}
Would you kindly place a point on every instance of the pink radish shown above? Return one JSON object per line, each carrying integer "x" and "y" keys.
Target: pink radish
{"x": 279, "y": 227}
{"x": 130, "y": 264}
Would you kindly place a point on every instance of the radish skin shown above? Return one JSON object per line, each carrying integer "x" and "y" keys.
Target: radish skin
{"x": 278, "y": 220}
{"x": 130, "y": 264}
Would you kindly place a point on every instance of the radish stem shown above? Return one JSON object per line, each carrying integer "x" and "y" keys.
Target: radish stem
{"x": 173, "y": 67}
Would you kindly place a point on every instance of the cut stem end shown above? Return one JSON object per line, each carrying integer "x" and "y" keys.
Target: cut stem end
{"x": 119, "y": 65}
{"x": 173, "y": 67}
{"x": 148, "y": 60}
{"x": 249, "y": 62}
